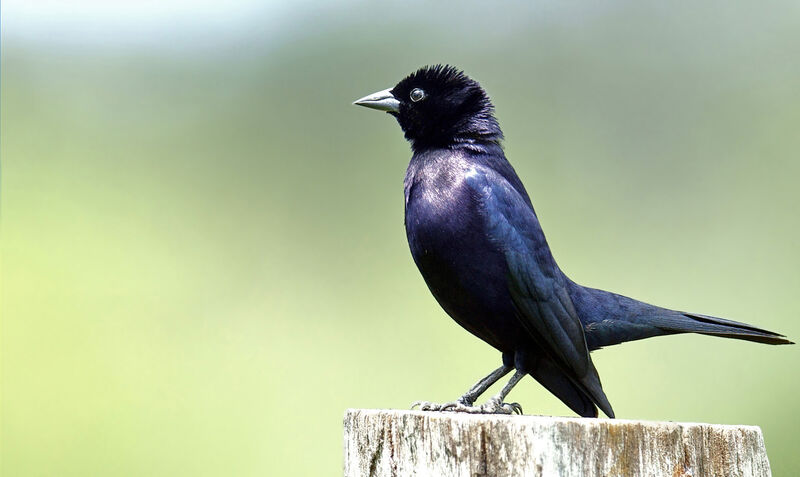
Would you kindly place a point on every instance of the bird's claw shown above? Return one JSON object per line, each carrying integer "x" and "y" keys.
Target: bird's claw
{"x": 493, "y": 406}
{"x": 453, "y": 406}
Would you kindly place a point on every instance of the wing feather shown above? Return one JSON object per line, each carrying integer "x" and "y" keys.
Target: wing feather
{"x": 537, "y": 285}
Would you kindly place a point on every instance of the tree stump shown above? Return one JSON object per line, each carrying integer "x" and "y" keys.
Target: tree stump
{"x": 401, "y": 443}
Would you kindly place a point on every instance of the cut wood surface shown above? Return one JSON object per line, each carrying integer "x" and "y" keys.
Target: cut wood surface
{"x": 391, "y": 442}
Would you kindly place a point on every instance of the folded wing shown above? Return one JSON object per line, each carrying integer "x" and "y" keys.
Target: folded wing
{"x": 536, "y": 284}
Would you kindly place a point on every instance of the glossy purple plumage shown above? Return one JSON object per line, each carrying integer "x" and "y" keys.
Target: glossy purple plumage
{"x": 475, "y": 238}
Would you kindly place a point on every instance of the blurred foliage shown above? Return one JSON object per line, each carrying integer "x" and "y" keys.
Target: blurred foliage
{"x": 204, "y": 260}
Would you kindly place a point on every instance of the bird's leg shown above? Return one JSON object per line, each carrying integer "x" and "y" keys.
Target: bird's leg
{"x": 465, "y": 402}
{"x": 495, "y": 405}
{"x": 468, "y": 399}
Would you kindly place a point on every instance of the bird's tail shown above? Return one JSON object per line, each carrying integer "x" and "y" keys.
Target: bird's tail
{"x": 581, "y": 397}
{"x": 618, "y": 319}
{"x": 713, "y": 326}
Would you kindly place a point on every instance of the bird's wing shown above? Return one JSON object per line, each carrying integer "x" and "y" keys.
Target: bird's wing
{"x": 537, "y": 286}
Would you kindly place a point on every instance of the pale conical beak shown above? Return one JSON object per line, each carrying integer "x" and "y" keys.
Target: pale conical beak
{"x": 382, "y": 101}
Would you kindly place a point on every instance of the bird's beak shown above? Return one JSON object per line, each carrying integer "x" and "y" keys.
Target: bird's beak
{"x": 382, "y": 101}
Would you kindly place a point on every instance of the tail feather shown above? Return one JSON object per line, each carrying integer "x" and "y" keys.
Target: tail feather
{"x": 577, "y": 397}
{"x": 611, "y": 319}
{"x": 713, "y": 326}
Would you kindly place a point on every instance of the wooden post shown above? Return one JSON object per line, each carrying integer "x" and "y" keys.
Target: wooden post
{"x": 400, "y": 443}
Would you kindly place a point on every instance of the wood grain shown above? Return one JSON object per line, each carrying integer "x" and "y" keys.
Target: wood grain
{"x": 401, "y": 443}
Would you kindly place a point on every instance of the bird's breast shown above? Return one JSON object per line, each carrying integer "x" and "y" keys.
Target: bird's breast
{"x": 464, "y": 270}
{"x": 440, "y": 213}
{"x": 447, "y": 233}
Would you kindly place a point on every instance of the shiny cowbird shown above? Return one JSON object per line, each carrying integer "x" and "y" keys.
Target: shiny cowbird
{"x": 476, "y": 240}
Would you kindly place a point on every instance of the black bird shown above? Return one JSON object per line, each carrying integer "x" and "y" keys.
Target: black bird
{"x": 476, "y": 240}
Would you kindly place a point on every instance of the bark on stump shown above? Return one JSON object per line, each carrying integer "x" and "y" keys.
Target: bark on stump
{"x": 389, "y": 443}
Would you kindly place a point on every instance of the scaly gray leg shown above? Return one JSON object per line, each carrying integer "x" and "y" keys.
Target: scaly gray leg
{"x": 495, "y": 405}
{"x": 466, "y": 402}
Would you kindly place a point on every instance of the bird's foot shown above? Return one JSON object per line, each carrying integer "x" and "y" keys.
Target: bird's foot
{"x": 496, "y": 406}
{"x": 459, "y": 405}
{"x": 492, "y": 406}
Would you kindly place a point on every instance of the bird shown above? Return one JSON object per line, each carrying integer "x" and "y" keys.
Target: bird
{"x": 477, "y": 241}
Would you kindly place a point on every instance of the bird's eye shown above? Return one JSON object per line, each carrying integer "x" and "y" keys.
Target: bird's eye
{"x": 417, "y": 95}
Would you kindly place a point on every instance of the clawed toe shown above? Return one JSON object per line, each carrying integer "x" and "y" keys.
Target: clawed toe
{"x": 514, "y": 407}
{"x": 492, "y": 406}
{"x": 456, "y": 406}
{"x": 422, "y": 405}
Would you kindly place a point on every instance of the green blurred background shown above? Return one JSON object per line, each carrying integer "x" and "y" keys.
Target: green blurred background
{"x": 203, "y": 254}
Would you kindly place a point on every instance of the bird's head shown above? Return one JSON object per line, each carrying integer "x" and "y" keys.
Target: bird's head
{"x": 438, "y": 106}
